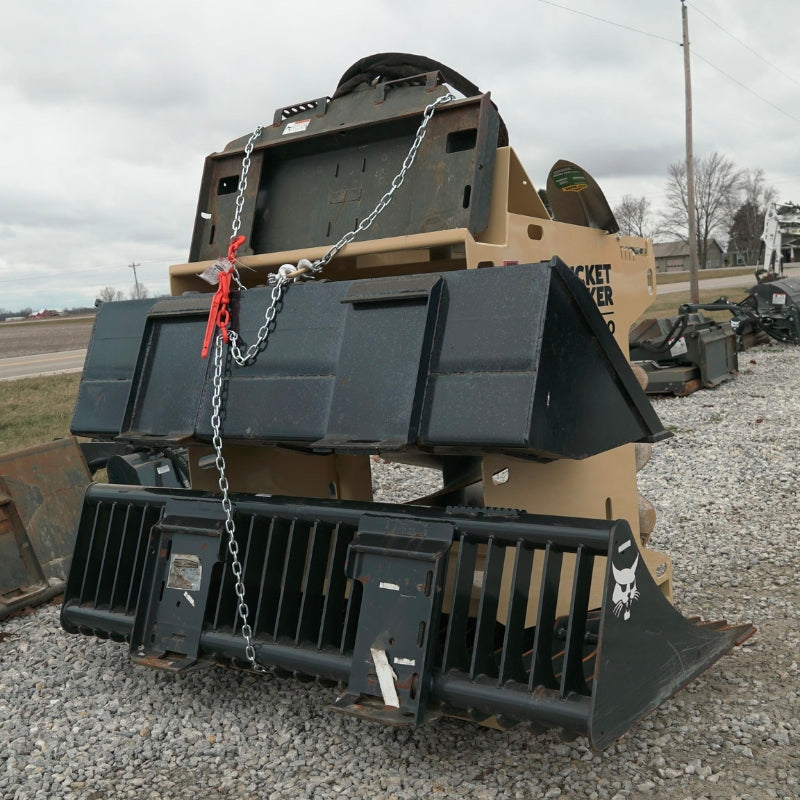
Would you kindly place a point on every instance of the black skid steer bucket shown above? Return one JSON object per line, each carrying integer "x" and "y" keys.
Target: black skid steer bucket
{"x": 465, "y": 362}
{"x": 416, "y": 612}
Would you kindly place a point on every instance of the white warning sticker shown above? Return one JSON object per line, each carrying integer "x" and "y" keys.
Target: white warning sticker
{"x": 185, "y": 572}
{"x": 298, "y": 126}
{"x": 679, "y": 348}
{"x": 386, "y": 677}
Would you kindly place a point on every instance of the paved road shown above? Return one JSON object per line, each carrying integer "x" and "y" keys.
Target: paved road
{"x": 745, "y": 281}
{"x": 41, "y": 364}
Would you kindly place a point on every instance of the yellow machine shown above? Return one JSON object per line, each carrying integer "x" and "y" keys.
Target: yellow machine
{"x": 375, "y": 274}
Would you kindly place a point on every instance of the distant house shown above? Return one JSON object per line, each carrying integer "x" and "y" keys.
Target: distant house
{"x": 44, "y": 313}
{"x": 790, "y": 252}
{"x": 740, "y": 258}
{"x": 674, "y": 256}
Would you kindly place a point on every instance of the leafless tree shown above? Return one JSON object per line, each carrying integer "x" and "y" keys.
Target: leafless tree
{"x": 108, "y": 294}
{"x": 717, "y": 186}
{"x": 633, "y": 216}
{"x": 747, "y": 219}
{"x": 139, "y": 291}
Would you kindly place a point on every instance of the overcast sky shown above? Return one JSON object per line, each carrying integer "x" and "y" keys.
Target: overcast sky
{"x": 109, "y": 108}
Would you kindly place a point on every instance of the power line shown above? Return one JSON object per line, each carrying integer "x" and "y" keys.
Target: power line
{"x": 609, "y": 22}
{"x": 743, "y": 86}
{"x": 745, "y": 45}
{"x": 672, "y": 41}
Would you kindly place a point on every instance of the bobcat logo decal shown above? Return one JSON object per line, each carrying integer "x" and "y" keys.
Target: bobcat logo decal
{"x": 625, "y": 591}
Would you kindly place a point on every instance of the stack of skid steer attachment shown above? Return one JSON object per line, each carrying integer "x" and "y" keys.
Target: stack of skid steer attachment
{"x": 470, "y": 331}
{"x": 771, "y": 310}
{"x": 685, "y": 353}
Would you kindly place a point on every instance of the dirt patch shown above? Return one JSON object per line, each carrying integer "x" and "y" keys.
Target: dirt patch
{"x": 44, "y": 336}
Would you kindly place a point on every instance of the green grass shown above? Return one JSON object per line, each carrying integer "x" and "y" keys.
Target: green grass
{"x": 35, "y": 410}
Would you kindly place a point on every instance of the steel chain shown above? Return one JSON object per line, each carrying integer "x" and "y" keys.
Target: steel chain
{"x": 280, "y": 283}
{"x": 263, "y": 332}
{"x": 237, "y": 214}
{"x": 227, "y": 507}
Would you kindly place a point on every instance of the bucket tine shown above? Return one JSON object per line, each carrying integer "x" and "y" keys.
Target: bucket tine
{"x": 572, "y": 679}
{"x": 455, "y": 647}
{"x": 541, "y": 673}
{"x": 483, "y": 660}
{"x": 512, "y": 666}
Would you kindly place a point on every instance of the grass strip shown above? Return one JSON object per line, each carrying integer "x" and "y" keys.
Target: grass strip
{"x": 34, "y": 410}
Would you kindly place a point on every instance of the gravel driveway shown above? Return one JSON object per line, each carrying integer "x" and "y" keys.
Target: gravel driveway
{"x": 77, "y": 720}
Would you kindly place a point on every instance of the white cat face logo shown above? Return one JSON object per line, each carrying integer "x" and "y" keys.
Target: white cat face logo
{"x": 625, "y": 591}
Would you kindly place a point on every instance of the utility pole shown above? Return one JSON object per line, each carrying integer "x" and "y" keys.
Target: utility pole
{"x": 694, "y": 286}
{"x": 133, "y": 266}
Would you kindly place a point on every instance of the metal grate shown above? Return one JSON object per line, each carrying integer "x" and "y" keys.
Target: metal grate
{"x": 298, "y": 594}
{"x": 109, "y": 556}
{"x": 295, "y": 583}
{"x": 555, "y": 653}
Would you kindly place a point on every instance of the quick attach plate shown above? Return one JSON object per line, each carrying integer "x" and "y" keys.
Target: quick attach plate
{"x": 401, "y": 566}
{"x": 182, "y": 552}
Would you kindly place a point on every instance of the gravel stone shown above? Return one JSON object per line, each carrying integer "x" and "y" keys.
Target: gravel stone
{"x": 78, "y": 720}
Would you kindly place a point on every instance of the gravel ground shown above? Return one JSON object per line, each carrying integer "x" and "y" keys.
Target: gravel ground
{"x": 79, "y": 721}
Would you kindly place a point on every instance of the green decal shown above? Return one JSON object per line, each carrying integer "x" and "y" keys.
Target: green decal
{"x": 570, "y": 179}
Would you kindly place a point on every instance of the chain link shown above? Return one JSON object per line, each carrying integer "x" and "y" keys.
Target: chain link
{"x": 227, "y": 507}
{"x": 237, "y": 214}
{"x": 281, "y": 282}
{"x": 242, "y": 359}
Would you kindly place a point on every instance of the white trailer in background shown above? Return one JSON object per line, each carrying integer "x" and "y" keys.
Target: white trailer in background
{"x": 781, "y": 231}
